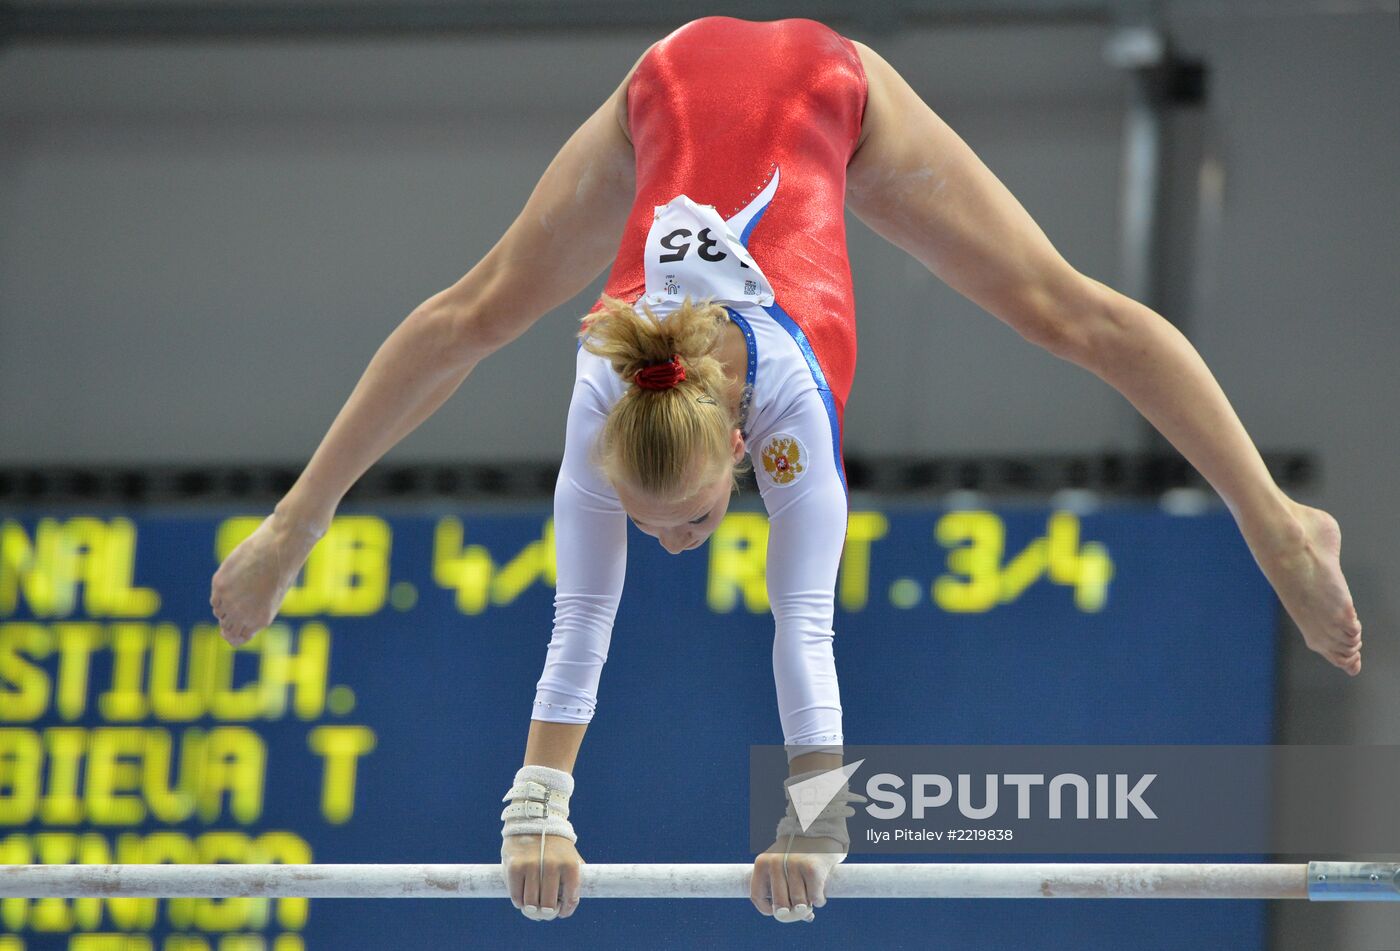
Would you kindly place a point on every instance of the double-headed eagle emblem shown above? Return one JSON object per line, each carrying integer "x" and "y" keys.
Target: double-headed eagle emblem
{"x": 782, "y": 459}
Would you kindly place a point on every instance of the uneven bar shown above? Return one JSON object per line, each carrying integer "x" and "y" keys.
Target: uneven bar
{"x": 1319, "y": 880}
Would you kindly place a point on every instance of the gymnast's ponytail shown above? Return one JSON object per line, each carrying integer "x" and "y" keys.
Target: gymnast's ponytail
{"x": 671, "y": 430}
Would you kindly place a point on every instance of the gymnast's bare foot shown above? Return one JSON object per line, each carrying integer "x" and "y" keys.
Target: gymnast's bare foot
{"x": 1304, "y": 566}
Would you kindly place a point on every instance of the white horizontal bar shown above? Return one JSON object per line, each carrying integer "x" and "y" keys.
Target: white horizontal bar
{"x": 850, "y": 880}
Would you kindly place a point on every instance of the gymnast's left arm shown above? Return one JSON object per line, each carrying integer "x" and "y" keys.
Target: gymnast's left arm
{"x": 915, "y": 182}
{"x": 807, "y": 517}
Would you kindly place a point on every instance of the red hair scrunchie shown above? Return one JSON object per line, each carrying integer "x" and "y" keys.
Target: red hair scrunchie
{"x": 661, "y": 376}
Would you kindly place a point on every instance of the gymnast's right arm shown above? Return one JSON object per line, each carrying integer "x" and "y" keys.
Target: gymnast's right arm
{"x": 568, "y": 231}
{"x": 590, "y": 541}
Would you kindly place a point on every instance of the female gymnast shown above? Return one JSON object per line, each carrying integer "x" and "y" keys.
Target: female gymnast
{"x": 714, "y": 180}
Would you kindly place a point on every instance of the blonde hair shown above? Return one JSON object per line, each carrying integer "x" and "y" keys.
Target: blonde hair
{"x": 652, "y": 437}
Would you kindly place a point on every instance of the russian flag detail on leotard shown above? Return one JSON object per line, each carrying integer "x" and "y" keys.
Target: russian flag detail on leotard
{"x": 781, "y": 318}
{"x": 743, "y": 221}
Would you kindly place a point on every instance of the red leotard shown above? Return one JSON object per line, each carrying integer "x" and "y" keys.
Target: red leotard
{"x": 713, "y": 108}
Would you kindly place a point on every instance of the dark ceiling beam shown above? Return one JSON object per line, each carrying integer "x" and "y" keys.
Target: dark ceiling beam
{"x": 84, "y": 22}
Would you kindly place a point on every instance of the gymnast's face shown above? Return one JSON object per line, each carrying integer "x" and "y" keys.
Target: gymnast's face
{"x": 681, "y": 526}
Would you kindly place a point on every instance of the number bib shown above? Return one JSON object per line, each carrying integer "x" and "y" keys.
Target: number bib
{"x": 691, "y": 251}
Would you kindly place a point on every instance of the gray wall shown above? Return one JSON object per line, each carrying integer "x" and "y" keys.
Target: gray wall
{"x": 1302, "y": 326}
{"x": 201, "y": 246}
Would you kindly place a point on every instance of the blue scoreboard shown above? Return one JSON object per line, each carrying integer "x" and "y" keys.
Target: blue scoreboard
{"x": 382, "y": 716}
